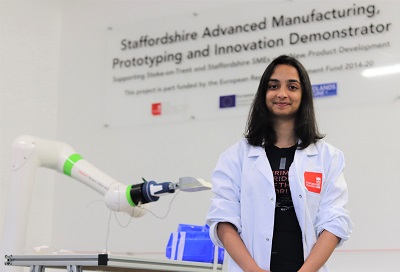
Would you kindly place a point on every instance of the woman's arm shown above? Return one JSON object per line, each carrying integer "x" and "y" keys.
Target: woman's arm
{"x": 234, "y": 245}
{"x": 321, "y": 252}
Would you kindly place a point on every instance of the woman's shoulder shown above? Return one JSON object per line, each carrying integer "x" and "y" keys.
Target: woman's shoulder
{"x": 327, "y": 148}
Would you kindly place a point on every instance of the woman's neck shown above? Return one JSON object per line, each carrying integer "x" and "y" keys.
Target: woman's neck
{"x": 285, "y": 134}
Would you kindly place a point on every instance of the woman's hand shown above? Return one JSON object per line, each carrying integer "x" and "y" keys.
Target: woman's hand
{"x": 234, "y": 245}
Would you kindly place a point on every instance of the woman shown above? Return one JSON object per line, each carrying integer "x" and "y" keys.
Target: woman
{"x": 280, "y": 193}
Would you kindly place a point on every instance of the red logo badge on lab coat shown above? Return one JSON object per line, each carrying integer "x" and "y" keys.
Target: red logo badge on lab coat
{"x": 313, "y": 182}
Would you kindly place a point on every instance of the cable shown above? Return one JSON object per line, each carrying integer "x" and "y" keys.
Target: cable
{"x": 130, "y": 219}
{"x": 169, "y": 208}
{"x": 108, "y": 230}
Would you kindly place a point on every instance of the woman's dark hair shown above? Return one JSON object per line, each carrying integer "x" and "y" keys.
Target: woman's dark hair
{"x": 259, "y": 128}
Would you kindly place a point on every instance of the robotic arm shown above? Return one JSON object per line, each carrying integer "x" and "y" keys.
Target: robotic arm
{"x": 29, "y": 153}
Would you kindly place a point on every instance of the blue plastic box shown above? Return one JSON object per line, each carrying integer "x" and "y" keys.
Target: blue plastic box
{"x": 192, "y": 243}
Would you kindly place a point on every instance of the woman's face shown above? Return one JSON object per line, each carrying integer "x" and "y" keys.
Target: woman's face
{"x": 283, "y": 95}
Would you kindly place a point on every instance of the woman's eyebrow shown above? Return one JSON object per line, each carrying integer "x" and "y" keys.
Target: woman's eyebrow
{"x": 290, "y": 80}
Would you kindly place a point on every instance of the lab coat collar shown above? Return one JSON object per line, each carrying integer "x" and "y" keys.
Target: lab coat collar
{"x": 311, "y": 150}
{"x": 261, "y": 162}
{"x": 255, "y": 151}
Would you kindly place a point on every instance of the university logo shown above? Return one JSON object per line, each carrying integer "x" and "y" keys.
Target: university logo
{"x": 313, "y": 182}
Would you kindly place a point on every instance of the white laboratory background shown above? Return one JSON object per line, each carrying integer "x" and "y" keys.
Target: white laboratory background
{"x": 64, "y": 76}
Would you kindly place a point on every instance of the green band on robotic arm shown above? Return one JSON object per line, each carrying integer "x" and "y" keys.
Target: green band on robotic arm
{"x": 128, "y": 196}
{"x": 70, "y": 162}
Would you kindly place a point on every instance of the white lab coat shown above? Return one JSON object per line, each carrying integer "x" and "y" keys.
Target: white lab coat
{"x": 245, "y": 196}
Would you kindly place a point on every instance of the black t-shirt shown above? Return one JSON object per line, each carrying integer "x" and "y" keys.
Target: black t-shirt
{"x": 287, "y": 246}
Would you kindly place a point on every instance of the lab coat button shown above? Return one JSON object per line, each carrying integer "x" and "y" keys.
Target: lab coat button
{"x": 272, "y": 199}
{"x": 267, "y": 239}
{"x": 300, "y": 196}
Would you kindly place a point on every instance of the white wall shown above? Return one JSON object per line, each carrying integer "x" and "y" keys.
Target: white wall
{"x": 30, "y": 33}
{"x": 51, "y": 76}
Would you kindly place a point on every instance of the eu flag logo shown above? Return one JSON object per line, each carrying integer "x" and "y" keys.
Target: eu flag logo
{"x": 227, "y": 101}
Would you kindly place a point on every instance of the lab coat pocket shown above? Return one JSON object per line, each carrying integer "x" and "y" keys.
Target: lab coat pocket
{"x": 313, "y": 200}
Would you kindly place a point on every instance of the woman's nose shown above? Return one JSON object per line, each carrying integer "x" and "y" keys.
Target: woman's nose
{"x": 282, "y": 93}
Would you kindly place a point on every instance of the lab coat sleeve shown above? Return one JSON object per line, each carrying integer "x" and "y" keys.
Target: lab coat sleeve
{"x": 225, "y": 205}
{"x": 332, "y": 215}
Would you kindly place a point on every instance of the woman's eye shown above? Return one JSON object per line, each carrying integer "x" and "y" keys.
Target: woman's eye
{"x": 272, "y": 86}
{"x": 293, "y": 87}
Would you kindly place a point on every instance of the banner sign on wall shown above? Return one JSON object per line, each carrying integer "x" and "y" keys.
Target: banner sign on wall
{"x": 207, "y": 65}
